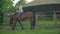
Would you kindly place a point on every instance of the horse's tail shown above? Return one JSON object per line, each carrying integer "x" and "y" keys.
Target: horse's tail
{"x": 11, "y": 20}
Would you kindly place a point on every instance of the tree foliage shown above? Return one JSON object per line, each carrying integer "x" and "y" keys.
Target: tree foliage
{"x": 5, "y": 6}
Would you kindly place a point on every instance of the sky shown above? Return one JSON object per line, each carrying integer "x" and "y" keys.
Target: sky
{"x": 15, "y": 1}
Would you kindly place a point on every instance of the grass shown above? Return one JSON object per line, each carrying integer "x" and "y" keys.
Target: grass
{"x": 30, "y": 32}
{"x": 26, "y": 24}
{"x": 39, "y": 24}
{"x": 48, "y": 24}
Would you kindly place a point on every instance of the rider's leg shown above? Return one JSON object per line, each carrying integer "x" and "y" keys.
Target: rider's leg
{"x": 19, "y": 15}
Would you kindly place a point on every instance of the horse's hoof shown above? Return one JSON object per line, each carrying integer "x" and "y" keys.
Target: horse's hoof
{"x": 13, "y": 29}
{"x": 22, "y": 28}
{"x": 31, "y": 28}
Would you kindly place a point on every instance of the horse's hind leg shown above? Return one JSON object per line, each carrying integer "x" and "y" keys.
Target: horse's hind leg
{"x": 21, "y": 24}
{"x": 32, "y": 24}
{"x": 13, "y": 26}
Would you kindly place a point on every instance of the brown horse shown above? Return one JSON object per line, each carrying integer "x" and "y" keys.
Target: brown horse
{"x": 24, "y": 16}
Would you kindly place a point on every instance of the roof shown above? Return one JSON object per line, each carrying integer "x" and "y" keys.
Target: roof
{"x": 45, "y": 7}
{"x": 41, "y": 2}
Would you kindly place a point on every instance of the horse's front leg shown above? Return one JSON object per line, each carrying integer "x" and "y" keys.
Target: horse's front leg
{"x": 21, "y": 24}
{"x": 32, "y": 24}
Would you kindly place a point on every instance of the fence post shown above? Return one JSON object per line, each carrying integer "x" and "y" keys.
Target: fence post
{"x": 36, "y": 15}
{"x": 55, "y": 18}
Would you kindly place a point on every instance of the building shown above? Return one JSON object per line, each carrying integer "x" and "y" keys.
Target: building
{"x": 42, "y": 5}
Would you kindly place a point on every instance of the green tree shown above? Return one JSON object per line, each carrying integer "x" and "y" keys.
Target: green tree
{"x": 5, "y": 6}
{"x": 12, "y": 9}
